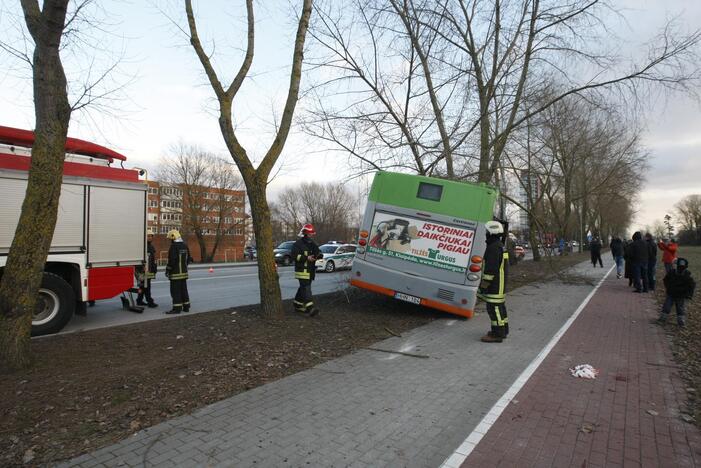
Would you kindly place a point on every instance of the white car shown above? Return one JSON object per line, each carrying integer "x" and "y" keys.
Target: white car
{"x": 336, "y": 257}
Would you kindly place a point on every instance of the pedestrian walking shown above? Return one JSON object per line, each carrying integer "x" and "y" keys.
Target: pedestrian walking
{"x": 176, "y": 271}
{"x": 595, "y": 250}
{"x": 305, "y": 253}
{"x": 147, "y": 274}
{"x": 639, "y": 254}
{"x": 669, "y": 253}
{"x": 679, "y": 285}
{"x": 651, "y": 261}
{"x": 492, "y": 288}
{"x": 628, "y": 260}
{"x": 616, "y": 247}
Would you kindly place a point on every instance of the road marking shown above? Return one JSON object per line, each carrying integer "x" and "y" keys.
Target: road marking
{"x": 210, "y": 278}
{"x": 463, "y": 451}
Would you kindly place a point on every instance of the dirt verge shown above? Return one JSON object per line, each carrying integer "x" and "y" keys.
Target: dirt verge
{"x": 87, "y": 390}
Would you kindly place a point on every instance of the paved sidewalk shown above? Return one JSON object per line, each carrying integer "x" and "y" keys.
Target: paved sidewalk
{"x": 629, "y": 416}
{"x": 368, "y": 408}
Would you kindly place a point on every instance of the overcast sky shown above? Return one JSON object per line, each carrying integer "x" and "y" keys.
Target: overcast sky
{"x": 168, "y": 99}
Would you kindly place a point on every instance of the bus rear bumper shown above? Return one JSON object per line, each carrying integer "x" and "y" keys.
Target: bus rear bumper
{"x": 428, "y": 291}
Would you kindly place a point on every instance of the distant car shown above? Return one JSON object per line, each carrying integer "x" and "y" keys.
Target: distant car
{"x": 519, "y": 251}
{"x": 283, "y": 253}
{"x": 336, "y": 257}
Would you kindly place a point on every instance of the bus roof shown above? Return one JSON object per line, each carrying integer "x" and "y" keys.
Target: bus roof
{"x": 463, "y": 200}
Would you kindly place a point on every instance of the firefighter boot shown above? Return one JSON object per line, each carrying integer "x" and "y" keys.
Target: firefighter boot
{"x": 491, "y": 338}
{"x": 152, "y": 305}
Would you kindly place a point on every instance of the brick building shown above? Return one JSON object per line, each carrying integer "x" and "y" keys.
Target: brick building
{"x": 168, "y": 209}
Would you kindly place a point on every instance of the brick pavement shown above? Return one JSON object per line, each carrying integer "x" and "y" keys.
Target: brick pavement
{"x": 629, "y": 416}
{"x": 367, "y": 408}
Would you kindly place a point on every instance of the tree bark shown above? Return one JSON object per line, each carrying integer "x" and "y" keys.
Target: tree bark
{"x": 22, "y": 275}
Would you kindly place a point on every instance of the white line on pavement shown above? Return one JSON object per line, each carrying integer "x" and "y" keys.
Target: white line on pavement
{"x": 210, "y": 278}
{"x": 469, "y": 444}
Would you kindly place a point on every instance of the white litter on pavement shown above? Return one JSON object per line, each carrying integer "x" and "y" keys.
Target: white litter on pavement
{"x": 584, "y": 371}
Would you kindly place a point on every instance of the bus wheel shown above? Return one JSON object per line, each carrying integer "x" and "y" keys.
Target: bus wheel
{"x": 55, "y": 305}
{"x": 330, "y": 267}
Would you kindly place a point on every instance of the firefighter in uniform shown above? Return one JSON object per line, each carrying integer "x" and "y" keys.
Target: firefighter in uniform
{"x": 492, "y": 288}
{"x": 145, "y": 283}
{"x": 305, "y": 253}
{"x": 176, "y": 271}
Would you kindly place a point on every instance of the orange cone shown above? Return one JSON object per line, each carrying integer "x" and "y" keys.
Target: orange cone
{"x": 211, "y": 270}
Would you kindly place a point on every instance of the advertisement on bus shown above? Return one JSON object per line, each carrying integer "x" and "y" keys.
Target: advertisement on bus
{"x": 421, "y": 241}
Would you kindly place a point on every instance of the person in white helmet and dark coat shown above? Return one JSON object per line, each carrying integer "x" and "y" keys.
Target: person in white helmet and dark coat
{"x": 305, "y": 253}
{"x": 176, "y": 271}
{"x": 492, "y": 289}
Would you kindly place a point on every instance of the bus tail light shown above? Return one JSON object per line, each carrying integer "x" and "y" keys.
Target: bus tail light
{"x": 475, "y": 268}
{"x": 362, "y": 242}
{"x": 364, "y": 234}
{"x": 476, "y": 259}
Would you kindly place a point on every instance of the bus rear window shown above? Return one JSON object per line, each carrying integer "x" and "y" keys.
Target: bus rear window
{"x": 431, "y": 192}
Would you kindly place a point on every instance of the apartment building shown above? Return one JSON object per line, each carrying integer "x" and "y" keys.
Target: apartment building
{"x": 217, "y": 214}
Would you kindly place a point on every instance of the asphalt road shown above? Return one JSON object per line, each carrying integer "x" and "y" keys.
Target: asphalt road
{"x": 223, "y": 288}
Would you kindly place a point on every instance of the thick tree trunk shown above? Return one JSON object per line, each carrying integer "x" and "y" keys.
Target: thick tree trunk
{"x": 202, "y": 245}
{"x": 22, "y": 276}
{"x": 271, "y": 305}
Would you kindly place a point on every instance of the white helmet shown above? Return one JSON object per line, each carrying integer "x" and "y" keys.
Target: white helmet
{"x": 494, "y": 228}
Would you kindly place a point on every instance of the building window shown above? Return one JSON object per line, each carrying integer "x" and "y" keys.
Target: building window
{"x": 228, "y": 220}
{"x": 238, "y": 231}
{"x": 153, "y": 217}
{"x": 153, "y": 190}
{"x": 153, "y": 203}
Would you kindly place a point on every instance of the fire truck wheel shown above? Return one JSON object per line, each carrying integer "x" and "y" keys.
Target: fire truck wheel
{"x": 55, "y": 305}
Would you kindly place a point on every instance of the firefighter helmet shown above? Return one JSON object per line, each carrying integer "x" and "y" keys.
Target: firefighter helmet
{"x": 173, "y": 234}
{"x": 494, "y": 228}
{"x": 307, "y": 230}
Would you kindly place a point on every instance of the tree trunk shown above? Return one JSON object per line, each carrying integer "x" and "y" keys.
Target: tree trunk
{"x": 533, "y": 239}
{"x": 271, "y": 305}
{"x": 22, "y": 276}
{"x": 202, "y": 245}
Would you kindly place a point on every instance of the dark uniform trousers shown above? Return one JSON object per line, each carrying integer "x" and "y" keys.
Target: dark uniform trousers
{"x": 145, "y": 291}
{"x": 304, "y": 301}
{"x": 499, "y": 318}
{"x": 178, "y": 291}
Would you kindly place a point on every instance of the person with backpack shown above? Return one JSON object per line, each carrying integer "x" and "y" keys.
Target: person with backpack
{"x": 679, "y": 285}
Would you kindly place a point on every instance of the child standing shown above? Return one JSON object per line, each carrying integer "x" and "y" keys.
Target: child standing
{"x": 679, "y": 286}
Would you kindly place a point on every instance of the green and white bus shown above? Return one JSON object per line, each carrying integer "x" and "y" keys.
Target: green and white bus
{"x": 422, "y": 239}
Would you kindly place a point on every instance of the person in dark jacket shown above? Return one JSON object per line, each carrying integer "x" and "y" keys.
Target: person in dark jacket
{"x": 679, "y": 286}
{"x": 305, "y": 253}
{"x": 176, "y": 271}
{"x": 148, "y": 275}
{"x": 628, "y": 258}
{"x": 616, "y": 247}
{"x": 492, "y": 288}
{"x": 639, "y": 254}
{"x": 651, "y": 261}
{"x": 595, "y": 249}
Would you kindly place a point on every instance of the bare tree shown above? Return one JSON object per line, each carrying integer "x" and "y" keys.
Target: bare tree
{"x": 203, "y": 199}
{"x": 256, "y": 179}
{"x": 439, "y": 87}
{"x": 22, "y": 275}
{"x": 688, "y": 211}
{"x": 330, "y": 208}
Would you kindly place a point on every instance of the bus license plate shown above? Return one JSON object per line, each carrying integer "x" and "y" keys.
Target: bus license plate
{"x": 407, "y": 298}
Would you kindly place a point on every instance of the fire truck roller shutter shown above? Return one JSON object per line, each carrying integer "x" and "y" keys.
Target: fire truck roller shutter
{"x": 55, "y": 305}
{"x": 68, "y": 235}
{"x": 116, "y": 226}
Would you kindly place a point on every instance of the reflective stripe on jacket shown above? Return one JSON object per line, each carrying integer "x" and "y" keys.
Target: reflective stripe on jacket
{"x": 301, "y": 250}
{"x": 495, "y": 264}
{"x": 178, "y": 258}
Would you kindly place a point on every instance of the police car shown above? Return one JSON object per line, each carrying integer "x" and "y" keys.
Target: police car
{"x": 336, "y": 256}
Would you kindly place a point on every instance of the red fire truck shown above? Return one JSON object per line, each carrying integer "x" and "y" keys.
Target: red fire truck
{"x": 100, "y": 233}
